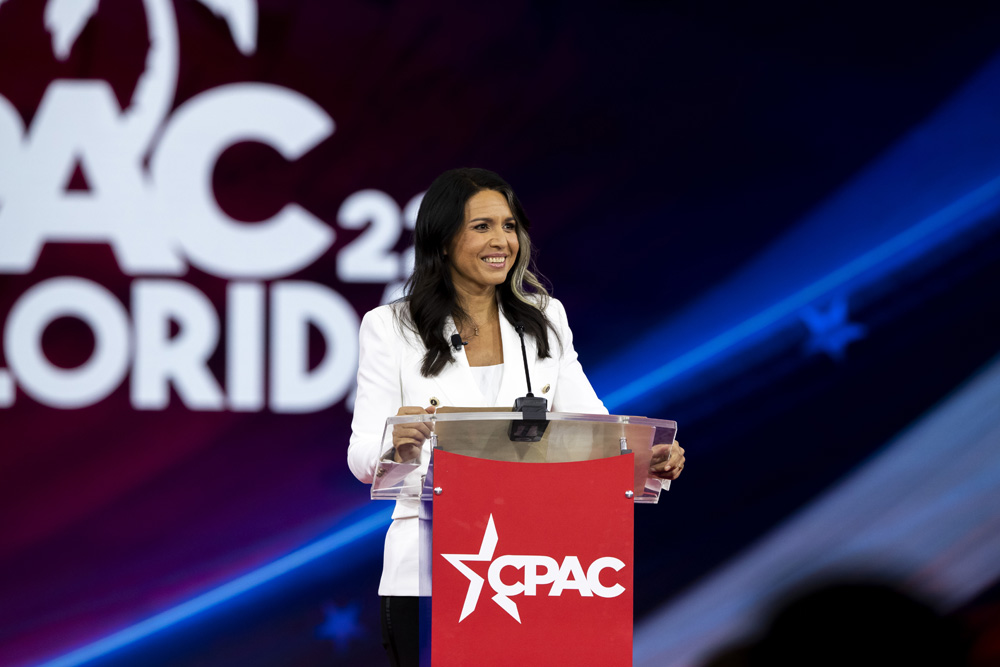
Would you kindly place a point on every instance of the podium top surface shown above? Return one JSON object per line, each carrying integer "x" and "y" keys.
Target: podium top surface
{"x": 490, "y": 433}
{"x": 452, "y": 414}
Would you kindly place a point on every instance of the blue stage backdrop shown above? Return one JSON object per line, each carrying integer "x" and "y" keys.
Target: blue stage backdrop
{"x": 777, "y": 226}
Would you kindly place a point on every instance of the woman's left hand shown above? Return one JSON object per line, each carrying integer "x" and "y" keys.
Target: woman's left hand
{"x": 667, "y": 461}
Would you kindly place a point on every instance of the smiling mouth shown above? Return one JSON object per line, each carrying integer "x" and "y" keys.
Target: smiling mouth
{"x": 495, "y": 261}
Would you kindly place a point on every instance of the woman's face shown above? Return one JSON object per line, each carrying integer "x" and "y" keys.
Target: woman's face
{"x": 485, "y": 246}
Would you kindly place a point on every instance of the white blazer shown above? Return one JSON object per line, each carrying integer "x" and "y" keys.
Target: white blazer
{"x": 389, "y": 377}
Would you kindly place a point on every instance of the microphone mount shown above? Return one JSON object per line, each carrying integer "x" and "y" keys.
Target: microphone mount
{"x": 533, "y": 408}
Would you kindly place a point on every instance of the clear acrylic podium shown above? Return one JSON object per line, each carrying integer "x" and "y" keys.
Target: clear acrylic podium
{"x": 526, "y": 546}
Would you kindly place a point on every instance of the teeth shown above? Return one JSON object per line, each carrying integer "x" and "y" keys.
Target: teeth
{"x": 495, "y": 260}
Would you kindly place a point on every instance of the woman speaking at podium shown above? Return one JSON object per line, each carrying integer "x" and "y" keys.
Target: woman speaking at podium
{"x": 452, "y": 341}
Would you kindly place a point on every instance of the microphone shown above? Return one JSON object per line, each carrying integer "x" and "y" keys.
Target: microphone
{"x": 519, "y": 328}
{"x": 532, "y": 408}
{"x": 457, "y": 342}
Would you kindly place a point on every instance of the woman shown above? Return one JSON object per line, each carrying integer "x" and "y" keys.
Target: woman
{"x": 473, "y": 276}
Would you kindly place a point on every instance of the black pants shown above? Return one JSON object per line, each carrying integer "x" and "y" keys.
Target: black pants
{"x": 401, "y": 630}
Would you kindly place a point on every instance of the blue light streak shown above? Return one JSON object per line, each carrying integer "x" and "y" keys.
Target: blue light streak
{"x": 871, "y": 266}
{"x": 342, "y": 538}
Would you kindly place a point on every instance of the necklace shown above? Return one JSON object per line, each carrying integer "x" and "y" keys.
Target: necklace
{"x": 475, "y": 326}
{"x": 464, "y": 318}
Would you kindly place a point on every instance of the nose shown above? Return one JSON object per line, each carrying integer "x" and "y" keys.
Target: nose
{"x": 498, "y": 239}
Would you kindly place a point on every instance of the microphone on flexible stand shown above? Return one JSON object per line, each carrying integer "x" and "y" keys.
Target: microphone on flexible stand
{"x": 533, "y": 408}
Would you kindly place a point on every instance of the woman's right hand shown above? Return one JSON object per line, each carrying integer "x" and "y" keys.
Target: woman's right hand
{"x": 407, "y": 439}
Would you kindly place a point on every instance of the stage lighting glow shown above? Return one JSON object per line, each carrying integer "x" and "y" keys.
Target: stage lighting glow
{"x": 908, "y": 246}
{"x": 338, "y": 540}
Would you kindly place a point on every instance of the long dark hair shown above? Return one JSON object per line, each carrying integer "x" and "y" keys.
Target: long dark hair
{"x": 431, "y": 296}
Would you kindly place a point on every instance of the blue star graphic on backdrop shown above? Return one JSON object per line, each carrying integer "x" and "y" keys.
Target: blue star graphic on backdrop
{"x": 341, "y": 624}
{"x": 829, "y": 328}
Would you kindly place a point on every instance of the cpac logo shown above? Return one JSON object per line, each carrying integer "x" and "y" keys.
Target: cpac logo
{"x": 538, "y": 571}
{"x": 148, "y": 171}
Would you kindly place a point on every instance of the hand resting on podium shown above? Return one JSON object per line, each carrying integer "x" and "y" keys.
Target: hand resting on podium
{"x": 407, "y": 439}
{"x": 663, "y": 467}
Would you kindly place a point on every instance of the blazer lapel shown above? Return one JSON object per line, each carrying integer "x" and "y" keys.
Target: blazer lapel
{"x": 457, "y": 386}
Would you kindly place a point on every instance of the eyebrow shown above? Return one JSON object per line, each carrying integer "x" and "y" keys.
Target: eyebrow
{"x": 491, "y": 219}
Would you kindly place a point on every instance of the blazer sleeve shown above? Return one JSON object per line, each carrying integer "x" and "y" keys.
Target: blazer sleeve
{"x": 379, "y": 392}
{"x": 574, "y": 393}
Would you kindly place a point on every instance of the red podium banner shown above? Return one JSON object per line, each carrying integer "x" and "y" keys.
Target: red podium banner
{"x": 532, "y": 562}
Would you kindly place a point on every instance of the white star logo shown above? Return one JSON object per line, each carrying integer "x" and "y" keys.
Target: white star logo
{"x": 486, "y": 549}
